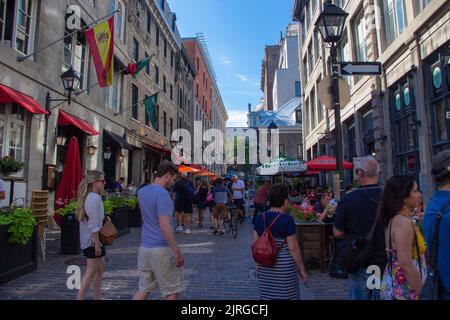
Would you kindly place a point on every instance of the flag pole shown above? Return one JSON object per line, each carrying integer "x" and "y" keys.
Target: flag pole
{"x": 119, "y": 72}
{"x": 21, "y": 59}
{"x": 142, "y": 101}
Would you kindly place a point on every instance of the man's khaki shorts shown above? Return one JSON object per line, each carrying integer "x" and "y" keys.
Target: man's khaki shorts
{"x": 220, "y": 210}
{"x": 157, "y": 268}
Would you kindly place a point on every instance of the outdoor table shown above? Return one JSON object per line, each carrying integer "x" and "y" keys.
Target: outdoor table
{"x": 312, "y": 241}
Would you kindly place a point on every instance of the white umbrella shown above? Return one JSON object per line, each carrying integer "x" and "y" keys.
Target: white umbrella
{"x": 281, "y": 167}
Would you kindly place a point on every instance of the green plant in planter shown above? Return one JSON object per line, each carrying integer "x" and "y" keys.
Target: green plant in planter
{"x": 9, "y": 165}
{"x": 118, "y": 202}
{"x": 132, "y": 203}
{"x": 21, "y": 223}
{"x": 68, "y": 209}
{"x": 109, "y": 207}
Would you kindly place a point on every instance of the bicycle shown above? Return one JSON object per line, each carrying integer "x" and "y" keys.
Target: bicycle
{"x": 230, "y": 225}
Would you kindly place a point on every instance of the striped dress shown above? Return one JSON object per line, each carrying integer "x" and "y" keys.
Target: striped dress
{"x": 279, "y": 282}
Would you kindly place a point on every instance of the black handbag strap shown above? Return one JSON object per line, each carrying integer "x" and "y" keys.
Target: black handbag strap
{"x": 435, "y": 241}
{"x": 377, "y": 216}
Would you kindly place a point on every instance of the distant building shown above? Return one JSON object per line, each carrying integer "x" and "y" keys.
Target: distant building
{"x": 269, "y": 65}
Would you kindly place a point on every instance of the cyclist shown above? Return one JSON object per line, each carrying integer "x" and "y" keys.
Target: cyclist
{"x": 238, "y": 188}
{"x": 222, "y": 197}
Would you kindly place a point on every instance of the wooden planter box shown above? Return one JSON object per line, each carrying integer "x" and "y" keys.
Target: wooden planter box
{"x": 312, "y": 241}
{"x": 70, "y": 235}
{"x": 135, "y": 218}
{"x": 17, "y": 260}
{"x": 121, "y": 219}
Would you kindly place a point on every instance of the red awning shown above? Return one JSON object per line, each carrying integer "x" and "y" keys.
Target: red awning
{"x": 326, "y": 163}
{"x": 8, "y": 95}
{"x": 65, "y": 119}
{"x": 157, "y": 148}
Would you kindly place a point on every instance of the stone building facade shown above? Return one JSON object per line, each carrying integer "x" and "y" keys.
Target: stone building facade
{"x": 400, "y": 117}
{"x": 127, "y": 145}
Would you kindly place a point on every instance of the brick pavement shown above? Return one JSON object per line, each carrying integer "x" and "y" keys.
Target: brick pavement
{"x": 216, "y": 268}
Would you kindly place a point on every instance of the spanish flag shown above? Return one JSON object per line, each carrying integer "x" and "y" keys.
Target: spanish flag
{"x": 101, "y": 41}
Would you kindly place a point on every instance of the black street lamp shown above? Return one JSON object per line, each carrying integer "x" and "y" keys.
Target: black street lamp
{"x": 330, "y": 24}
{"x": 71, "y": 82}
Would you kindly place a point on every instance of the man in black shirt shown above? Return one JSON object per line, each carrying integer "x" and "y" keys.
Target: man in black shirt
{"x": 356, "y": 215}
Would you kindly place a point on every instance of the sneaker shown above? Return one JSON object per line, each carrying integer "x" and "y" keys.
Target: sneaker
{"x": 187, "y": 231}
{"x": 215, "y": 232}
{"x": 179, "y": 229}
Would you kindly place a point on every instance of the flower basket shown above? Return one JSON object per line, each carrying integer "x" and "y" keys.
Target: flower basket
{"x": 8, "y": 166}
{"x": 303, "y": 214}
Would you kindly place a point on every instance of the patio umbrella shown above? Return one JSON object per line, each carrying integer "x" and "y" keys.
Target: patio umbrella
{"x": 326, "y": 163}
{"x": 71, "y": 178}
{"x": 187, "y": 169}
{"x": 281, "y": 167}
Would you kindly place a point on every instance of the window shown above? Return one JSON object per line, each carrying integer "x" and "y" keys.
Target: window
{"x": 298, "y": 115}
{"x": 76, "y": 55}
{"x": 198, "y": 64}
{"x": 307, "y": 118}
{"x": 165, "y": 48}
{"x": 320, "y": 107}
{"x": 12, "y": 131}
{"x": 162, "y": 4}
{"x": 424, "y": 3}
{"x": 344, "y": 52}
{"x": 300, "y": 151}
{"x": 281, "y": 149}
{"x": 157, "y": 36}
{"x": 149, "y": 22}
{"x": 17, "y": 24}
{"x": 157, "y": 118}
{"x": 298, "y": 89}
{"x": 119, "y": 22}
{"x": 135, "y": 50}
{"x": 308, "y": 14}
{"x": 305, "y": 69}
{"x": 146, "y": 117}
{"x": 170, "y": 127}
{"x": 24, "y": 30}
{"x": 437, "y": 75}
{"x": 156, "y": 74}
{"x": 171, "y": 92}
{"x": 351, "y": 140}
{"x": 359, "y": 32}
{"x": 171, "y": 58}
{"x": 317, "y": 46}
{"x": 2, "y": 19}
{"x": 196, "y": 90}
{"x": 147, "y": 67}
{"x": 164, "y": 84}
{"x": 395, "y": 19}
{"x": 313, "y": 109}
{"x": 113, "y": 93}
{"x": 134, "y": 101}
{"x": 165, "y": 124}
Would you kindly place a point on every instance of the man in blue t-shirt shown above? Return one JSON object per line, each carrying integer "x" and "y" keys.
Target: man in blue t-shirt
{"x": 440, "y": 201}
{"x": 160, "y": 259}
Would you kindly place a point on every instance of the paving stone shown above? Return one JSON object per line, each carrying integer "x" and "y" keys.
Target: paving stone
{"x": 216, "y": 268}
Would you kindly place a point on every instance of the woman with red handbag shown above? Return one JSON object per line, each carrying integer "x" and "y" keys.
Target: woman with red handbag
{"x": 90, "y": 214}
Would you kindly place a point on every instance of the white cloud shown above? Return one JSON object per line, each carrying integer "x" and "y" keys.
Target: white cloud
{"x": 246, "y": 79}
{"x": 243, "y": 78}
{"x": 225, "y": 60}
{"x": 237, "y": 118}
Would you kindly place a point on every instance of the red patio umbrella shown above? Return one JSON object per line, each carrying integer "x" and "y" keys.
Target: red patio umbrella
{"x": 71, "y": 178}
{"x": 326, "y": 163}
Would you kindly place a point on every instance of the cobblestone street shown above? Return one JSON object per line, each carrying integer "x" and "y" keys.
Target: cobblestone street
{"x": 216, "y": 268}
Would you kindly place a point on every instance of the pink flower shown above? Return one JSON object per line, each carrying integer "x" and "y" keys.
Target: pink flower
{"x": 400, "y": 277}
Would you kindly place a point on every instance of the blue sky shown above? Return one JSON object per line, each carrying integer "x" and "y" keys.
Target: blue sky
{"x": 236, "y": 32}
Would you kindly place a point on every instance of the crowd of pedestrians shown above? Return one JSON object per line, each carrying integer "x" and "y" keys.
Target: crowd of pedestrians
{"x": 390, "y": 220}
